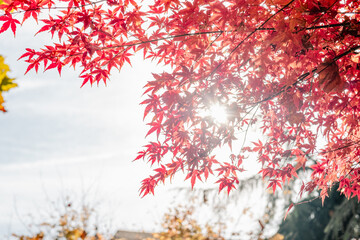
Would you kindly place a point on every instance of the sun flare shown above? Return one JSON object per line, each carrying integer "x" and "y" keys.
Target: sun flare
{"x": 216, "y": 112}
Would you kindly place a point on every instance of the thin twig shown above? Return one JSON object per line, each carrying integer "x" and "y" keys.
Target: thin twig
{"x": 247, "y": 129}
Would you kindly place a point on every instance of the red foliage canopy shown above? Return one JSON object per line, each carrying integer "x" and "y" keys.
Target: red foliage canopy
{"x": 290, "y": 67}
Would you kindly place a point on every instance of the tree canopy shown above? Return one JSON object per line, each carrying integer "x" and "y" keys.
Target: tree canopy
{"x": 288, "y": 67}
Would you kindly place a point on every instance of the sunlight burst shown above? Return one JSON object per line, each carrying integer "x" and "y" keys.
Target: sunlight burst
{"x": 216, "y": 112}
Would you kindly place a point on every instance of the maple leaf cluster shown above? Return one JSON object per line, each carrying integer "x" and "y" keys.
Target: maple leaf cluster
{"x": 289, "y": 67}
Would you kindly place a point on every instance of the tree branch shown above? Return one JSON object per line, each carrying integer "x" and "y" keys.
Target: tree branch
{"x": 303, "y": 76}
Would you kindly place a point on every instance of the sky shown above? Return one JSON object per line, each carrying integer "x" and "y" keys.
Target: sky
{"x": 58, "y": 139}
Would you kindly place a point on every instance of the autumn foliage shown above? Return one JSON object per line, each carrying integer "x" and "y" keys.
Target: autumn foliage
{"x": 288, "y": 67}
{"x": 179, "y": 224}
{"x": 66, "y": 223}
{"x": 6, "y": 83}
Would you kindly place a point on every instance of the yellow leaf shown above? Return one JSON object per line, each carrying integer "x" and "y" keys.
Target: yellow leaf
{"x": 4, "y": 68}
{"x": 74, "y": 234}
{"x": 277, "y": 236}
{"x": 6, "y": 83}
{"x": 1, "y": 102}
